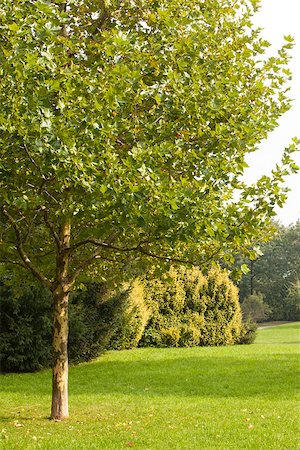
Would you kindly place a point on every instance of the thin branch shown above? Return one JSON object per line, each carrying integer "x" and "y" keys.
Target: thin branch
{"x": 24, "y": 257}
{"x": 84, "y": 265}
{"x": 44, "y": 178}
{"x": 9, "y": 261}
{"x": 33, "y": 161}
{"x": 165, "y": 258}
{"x": 43, "y": 255}
{"x": 137, "y": 248}
{"x": 112, "y": 237}
{"x": 51, "y": 196}
{"x": 63, "y": 8}
{"x": 30, "y": 227}
{"x": 96, "y": 255}
{"x": 51, "y": 227}
{"x": 98, "y": 23}
{"x": 105, "y": 244}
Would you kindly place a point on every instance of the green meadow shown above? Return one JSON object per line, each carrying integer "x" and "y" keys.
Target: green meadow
{"x": 236, "y": 397}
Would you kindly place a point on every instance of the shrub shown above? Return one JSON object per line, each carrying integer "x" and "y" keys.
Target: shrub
{"x": 248, "y": 332}
{"x": 102, "y": 320}
{"x": 92, "y": 317}
{"x": 131, "y": 318}
{"x": 99, "y": 320}
{"x": 223, "y": 314}
{"x": 25, "y": 329}
{"x": 255, "y": 309}
{"x": 188, "y": 309}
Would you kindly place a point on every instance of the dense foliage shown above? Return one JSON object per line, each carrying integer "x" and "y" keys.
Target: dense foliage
{"x": 25, "y": 329}
{"x": 99, "y": 320}
{"x": 275, "y": 274}
{"x": 189, "y": 309}
{"x": 182, "y": 308}
{"x": 248, "y": 332}
{"x": 129, "y": 123}
{"x": 254, "y": 308}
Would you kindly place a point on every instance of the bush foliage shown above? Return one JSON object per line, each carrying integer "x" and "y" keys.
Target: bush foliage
{"x": 248, "y": 332}
{"x": 25, "y": 329}
{"x": 255, "y": 309}
{"x": 183, "y": 308}
{"x": 99, "y": 320}
{"x": 292, "y": 304}
{"x": 188, "y": 309}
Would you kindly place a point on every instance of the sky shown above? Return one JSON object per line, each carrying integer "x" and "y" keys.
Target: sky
{"x": 279, "y": 18}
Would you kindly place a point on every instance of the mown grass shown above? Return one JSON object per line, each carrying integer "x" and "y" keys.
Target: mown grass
{"x": 241, "y": 397}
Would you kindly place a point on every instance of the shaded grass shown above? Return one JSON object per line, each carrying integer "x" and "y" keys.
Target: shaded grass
{"x": 239, "y": 397}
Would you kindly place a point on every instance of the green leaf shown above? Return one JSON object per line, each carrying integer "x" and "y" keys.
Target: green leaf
{"x": 245, "y": 269}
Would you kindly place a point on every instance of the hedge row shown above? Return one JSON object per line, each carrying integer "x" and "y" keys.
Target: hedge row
{"x": 99, "y": 320}
{"x": 182, "y": 308}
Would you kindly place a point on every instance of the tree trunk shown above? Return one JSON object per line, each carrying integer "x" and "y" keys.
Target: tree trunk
{"x": 59, "y": 409}
{"x": 252, "y": 275}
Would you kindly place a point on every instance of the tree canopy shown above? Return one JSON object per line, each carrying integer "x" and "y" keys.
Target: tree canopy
{"x": 276, "y": 274}
{"x": 133, "y": 119}
{"x": 124, "y": 127}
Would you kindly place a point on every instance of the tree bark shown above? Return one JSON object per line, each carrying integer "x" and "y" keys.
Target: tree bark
{"x": 59, "y": 409}
{"x": 252, "y": 276}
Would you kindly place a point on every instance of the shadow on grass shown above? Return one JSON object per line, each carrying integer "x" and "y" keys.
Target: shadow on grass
{"x": 269, "y": 377}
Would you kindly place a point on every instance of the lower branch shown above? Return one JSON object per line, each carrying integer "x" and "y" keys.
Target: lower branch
{"x": 24, "y": 257}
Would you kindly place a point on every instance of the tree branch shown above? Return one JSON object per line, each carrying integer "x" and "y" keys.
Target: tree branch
{"x": 103, "y": 244}
{"x": 33, "y": 161}
{"x": 98, "y": 23}
{"x": 84, "y": 265}
{"x": 44, "y": 178}
{"x": 24, "y": 257}
{"x": 165, "y": 258}
{"x": 62, "y": 8}
{"x": 137, "y": 248}
{"x": 30, "y": 227}
{"x": 9, "y": 261}
{"x": 51, "y": 227}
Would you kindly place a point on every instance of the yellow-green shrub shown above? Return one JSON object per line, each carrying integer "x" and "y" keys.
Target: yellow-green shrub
{"x": 132, "y": 318}
{"x": 188, "y": 309}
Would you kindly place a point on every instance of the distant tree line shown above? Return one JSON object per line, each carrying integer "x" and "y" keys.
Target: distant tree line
{"x": 273, "y": 282}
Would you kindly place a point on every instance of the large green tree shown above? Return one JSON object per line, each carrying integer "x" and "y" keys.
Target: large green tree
{"x": 276, "y": 273}
{"x": 124, "y": 127}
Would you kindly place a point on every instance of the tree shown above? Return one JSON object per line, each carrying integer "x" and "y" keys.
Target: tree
{"x": 292, "y": 303}
{"x": 254, "y": 308}
{"x": 124, "y": 129}
{"x": 276, "y": 271}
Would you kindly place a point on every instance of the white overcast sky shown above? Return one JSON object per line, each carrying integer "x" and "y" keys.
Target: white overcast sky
{"x": 279, "y": 18}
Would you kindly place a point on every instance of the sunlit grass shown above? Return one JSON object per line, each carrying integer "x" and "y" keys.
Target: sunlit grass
{"x": 240, "y": 397}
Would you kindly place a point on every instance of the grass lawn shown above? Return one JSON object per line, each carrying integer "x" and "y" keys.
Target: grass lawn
{"x": 240, "y": 397}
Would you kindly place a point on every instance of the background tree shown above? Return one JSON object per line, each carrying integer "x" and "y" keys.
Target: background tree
{"x": 254, "y": 308}
{"x": 275, "y": 272}
{"x": 123, "y": 133}
{"x": 292, "y": 301}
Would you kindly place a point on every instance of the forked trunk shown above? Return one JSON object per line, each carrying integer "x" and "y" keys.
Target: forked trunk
{"x": 59, "y": 409}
